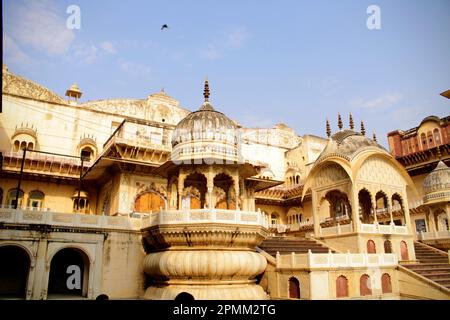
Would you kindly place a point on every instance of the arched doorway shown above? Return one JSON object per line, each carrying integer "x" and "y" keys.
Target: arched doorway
{"x": 371, "y": 247}
{"x": 341, "y": 287}
{"x": 339, "y": 206}
{"x": 387, "y": 246}
{"x": 365, "y": 286}
{"x": 397, "y": 208}
{"x": 14, "y": 269}
{"x": 386, "y": 286}
{"x": 224, "y": 191}
{"x": 69, "y": 274}
{"x": 149, "y": 202}
{"x": 404, "y": 250}
{"x": 366, "y": 206}
{"x": 184, "y": 297}
{"x": 294, "y": 288}
{"x": 194, "y": 191}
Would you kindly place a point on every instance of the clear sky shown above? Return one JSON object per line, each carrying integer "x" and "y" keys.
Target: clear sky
{"x": 295, "y": 62}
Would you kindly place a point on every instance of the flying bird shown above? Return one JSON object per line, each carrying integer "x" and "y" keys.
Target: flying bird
{"x": 164, "y": 26}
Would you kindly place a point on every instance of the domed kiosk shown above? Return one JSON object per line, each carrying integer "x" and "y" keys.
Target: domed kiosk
{"x": 203, "y": 244}
{"x": 359, "y": 194}
{"x": 436, "y": 201}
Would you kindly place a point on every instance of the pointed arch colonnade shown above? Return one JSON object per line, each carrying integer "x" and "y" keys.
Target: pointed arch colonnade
{"x": 372, "y": 182}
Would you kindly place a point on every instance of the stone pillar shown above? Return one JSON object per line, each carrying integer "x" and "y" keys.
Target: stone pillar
{"x": 431, "y": 220}
{"x": 355, "y": 208}
{"x": 390, "y": 209}
{"x": 374, "y": 208}
{"x": 315, "y": 209}
{"x": 447, "y": 211}
{"x": 237, "y": 191}
{"x": 210, "y": 188}
{"x": 406, "y": 213}
{"x": 181, "y": 178}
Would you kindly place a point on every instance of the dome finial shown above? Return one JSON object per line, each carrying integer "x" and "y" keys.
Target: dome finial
{"x": 363, "y": 130}
{"x": 352, "y": 125}
{"x": 328, "y": 129}
{"x": 206, "y": 90}
{"x": 340, "y": 125}
{"x": 374, "y": 137}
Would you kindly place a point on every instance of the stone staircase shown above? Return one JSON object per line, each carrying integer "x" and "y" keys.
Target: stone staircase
{"x": 433, "y": 264}
{"x": 286, "y": 245}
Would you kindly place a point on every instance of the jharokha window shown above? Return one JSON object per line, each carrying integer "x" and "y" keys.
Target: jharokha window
{"x": 12, "y": 198}
{"x": 81, "y": 202}
{"x": 35, "y": 200}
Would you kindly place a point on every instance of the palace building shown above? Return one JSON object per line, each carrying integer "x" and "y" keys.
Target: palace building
{"x": 145, "y": 199}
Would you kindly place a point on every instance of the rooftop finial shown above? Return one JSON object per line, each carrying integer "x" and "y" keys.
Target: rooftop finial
{"x": 352, "y": 125}
{"x": 374, "y": 137}
{"x": 363, "y": 130}
{"x": 206, "y": 90}
{"x": 328, "y": 128}
{"x": 340, "y": 125}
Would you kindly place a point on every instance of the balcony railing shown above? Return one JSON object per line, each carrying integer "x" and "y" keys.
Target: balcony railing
{"x": 194, "y": 216}
{"x": 434, "y": 235}
{"x": 364, "y": 228}
{"x": 336, "y": 260}
{"x": 22, "y": 216}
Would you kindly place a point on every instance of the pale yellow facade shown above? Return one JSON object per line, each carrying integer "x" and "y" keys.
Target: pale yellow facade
{"x": 165, "y": 207}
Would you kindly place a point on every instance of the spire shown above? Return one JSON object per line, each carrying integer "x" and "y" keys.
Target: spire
{"x": 352, "y": 125}
{"x": 328, "y": 129}
{"x": 206, "y": 105}
{"x": 206, "y": 90}
{"x": 340, "y": 125}
{"x": 374, "y": 137}
{"x": 363, "y": 130}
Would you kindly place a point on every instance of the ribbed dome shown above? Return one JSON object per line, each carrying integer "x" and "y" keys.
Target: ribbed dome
{"x": 204, "y": 124}
{"x": 205, "y": 133}
{"x": 438, "y": 179}
{"x": 347, "y": 143}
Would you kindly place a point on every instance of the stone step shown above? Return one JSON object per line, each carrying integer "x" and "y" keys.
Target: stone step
{"x": 441, "y": 267}
{"x": 434, "y": 275}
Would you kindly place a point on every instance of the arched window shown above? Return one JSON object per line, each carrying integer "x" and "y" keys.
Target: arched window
{"x": 341, "y": 287}
{"x": 423, "y": 137}
{"x": 294, "y": 288}
{"x": 16, "y": 145}
{"x": 11, "y": 199}
{"x": 87, "y": 154}
{"x": 274, "y": 218}
{"x": 35, "y": 199}
{"x": 81, "y": 204}
{"x": 371, "y": 247}
{"x": 437, "y": 136}
{"x": 387, "y": 246}
{"x": 365, "y": 287}
{"x": 386, "y": 285}
{"x": 430, "y": 139}
{"x": 297, "y": 179}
